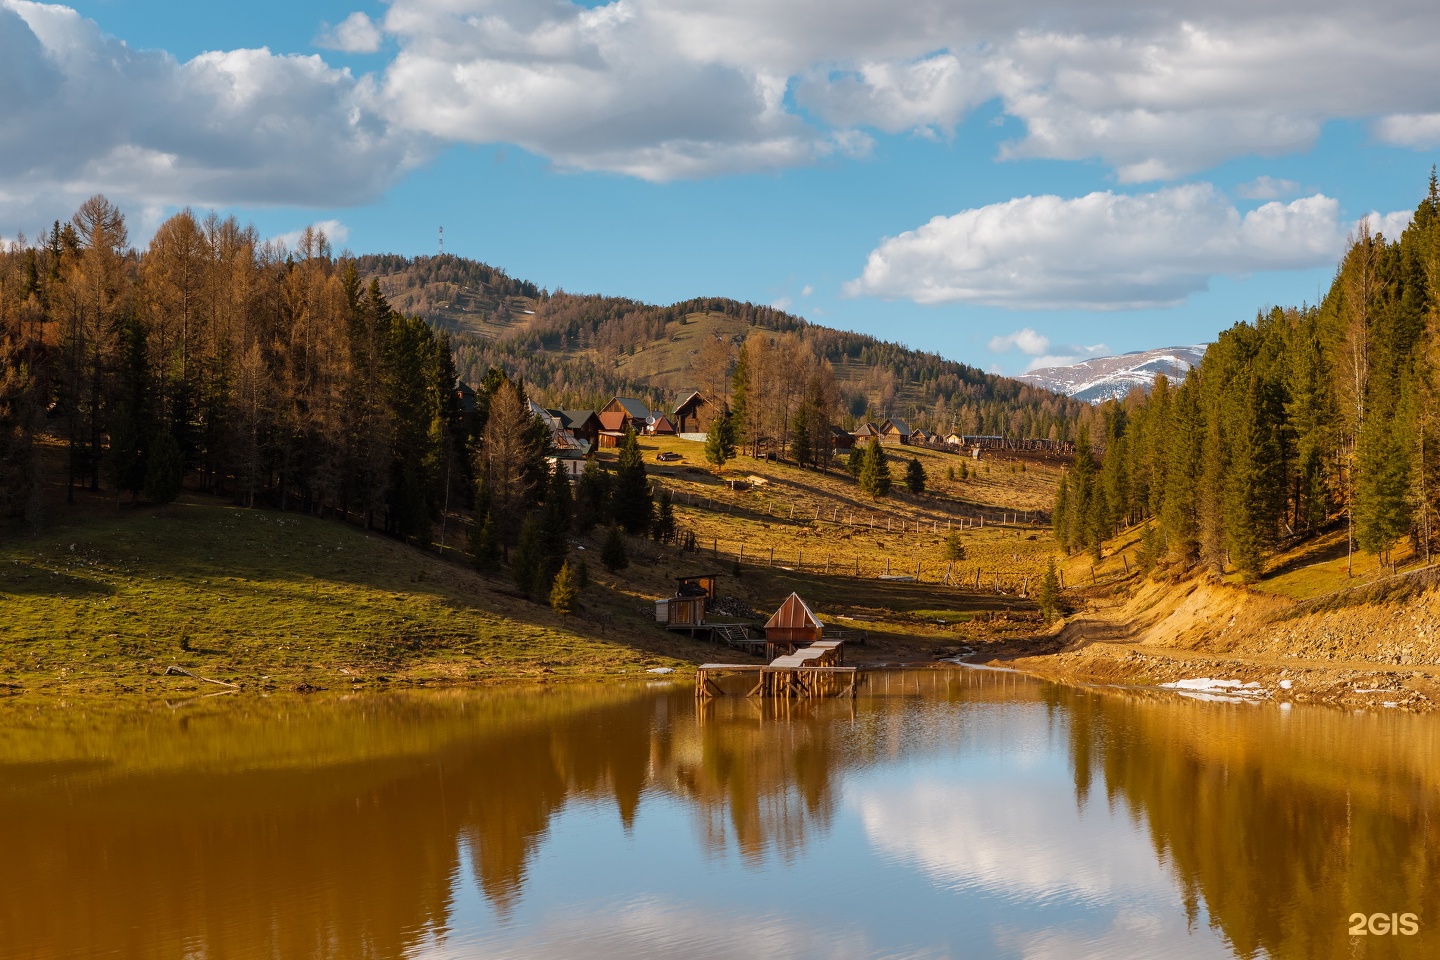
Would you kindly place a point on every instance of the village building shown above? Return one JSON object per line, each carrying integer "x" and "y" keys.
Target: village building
{"x": 584, "y": 424}
{"x": 865, "y": 433}
{"x": 894, "y": 432}
{"x": 694, "y": 415}
{"x": 840, "y": 439}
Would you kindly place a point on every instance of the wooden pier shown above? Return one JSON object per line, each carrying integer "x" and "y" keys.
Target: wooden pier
{"x": 813, "y": 672}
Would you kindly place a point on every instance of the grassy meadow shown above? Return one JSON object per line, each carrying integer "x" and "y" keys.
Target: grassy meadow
{"x": 106, "y": 597}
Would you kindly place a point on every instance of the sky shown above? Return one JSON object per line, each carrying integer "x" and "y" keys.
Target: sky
{"x": 1011, "y": 185}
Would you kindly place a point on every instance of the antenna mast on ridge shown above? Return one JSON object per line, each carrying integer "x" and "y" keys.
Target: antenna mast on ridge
{"x": 442, "y": 241}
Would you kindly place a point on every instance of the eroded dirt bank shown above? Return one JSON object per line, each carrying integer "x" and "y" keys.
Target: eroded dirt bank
{"x": 1366, "y": 653}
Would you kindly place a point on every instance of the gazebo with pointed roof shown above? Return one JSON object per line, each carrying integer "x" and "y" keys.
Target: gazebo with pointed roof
{"x": 793, "y": 624}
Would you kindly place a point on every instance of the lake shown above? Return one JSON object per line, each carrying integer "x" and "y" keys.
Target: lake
{"x": 942, "y": 813}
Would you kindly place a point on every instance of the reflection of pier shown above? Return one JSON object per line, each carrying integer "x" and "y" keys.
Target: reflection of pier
{"x": 814, "y": 671}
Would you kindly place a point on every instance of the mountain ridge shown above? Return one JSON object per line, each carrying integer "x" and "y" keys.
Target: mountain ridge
{"x": 1111, "y": 378}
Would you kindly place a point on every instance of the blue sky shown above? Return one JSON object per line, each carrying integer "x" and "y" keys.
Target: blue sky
{"x": 1010, "y": 187}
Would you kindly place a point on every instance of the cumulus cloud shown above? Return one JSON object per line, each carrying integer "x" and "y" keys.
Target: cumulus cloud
{"x": 592, "y": 89}
{"x": 673, "y": 89}
{"x": 1267, "y": 188}
{"x": 355, "y": 34}
{"x": 336, "y": 233}
{"x": 1025, "y": 340}
{"x": 667, "y": 89}
{"x": 1104, "y": 251}
{"x": 81, "y": 112}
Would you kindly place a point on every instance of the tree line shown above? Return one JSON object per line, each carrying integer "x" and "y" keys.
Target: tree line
{"x": 1306, "y": 418}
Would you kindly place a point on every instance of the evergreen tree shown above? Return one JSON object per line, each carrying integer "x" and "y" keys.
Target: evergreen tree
{"x": 563, "y": 591}
{"x": 1082, "y": 512}
{"x": 875, "y": 471}
{"x": 555, "y": 515}
{"x": 162, "y": 474}
{"x": 801, "y": 441}
{"x": 485, "y": 545}
{"x": 527, "y": 561}
{"x": 856, "y": 461}
{"x": 1060, "y": 521}
{"x": 1049, "y": 595}
{"x": 613, "y": 554}
{"x": 720, "y": 441}
{"x": 131, "y": 421}
{"x": 630, "y": 499}
{"x": 592, "y": 498}
{"x": 663, "y": 529}
{"x": 915, "y": 476}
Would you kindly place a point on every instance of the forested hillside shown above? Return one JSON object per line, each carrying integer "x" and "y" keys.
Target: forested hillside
{"x": 215, "y": 361}
{"x": 1306, "y": 417}
{"x": 579, "y": 351}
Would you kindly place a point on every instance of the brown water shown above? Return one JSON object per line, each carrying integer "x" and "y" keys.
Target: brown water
{"x": 943, "y": 814}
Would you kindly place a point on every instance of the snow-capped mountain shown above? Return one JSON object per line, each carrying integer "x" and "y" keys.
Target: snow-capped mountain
{"x": 1104, "y": 378}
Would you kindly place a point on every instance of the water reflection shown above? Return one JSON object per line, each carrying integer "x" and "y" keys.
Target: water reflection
{"x": 946, "y": 813}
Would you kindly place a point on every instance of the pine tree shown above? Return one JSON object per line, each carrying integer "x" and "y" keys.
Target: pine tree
{"x": 1060, "y": 521}
{"x": 915, "y": 476}
{"x": 1049, "y": 595}
{"x": 663, "y": 529}
{"x": 613, "y": 554}
{"x": 592, "y": 498}
{"x": 527, "y": 560}
{"x": 1082, "y": 512}
{"x": 875, "y": 471}
{"x": 720, "y": 441}
{"x": 162, "y": 474}
{"x": 563, "y": 591}
{"x": 856, "y": 461}
{"x": 485, "y": 545}
{"x": 631, "y": 502}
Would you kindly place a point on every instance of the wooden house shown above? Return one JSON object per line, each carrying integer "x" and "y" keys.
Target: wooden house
{"x": 584, "y": 424}
{"x": 894, "y": 432}
{"x": 919, "y": 437}
{"x": 684, "y": 611}
{"x": 633, "y": 413}
{"x": 865, "y": 433}
{"x": 695, "y": 414}
{"x": 793, "y": 624}
{"x": 659, "y": 425}
{"x": 954, "y": 441}
{"x": 840, "y": 439}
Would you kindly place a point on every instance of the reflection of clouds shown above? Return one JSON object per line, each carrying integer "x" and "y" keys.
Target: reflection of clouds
{"x": 1012, "y": 836}
{"x": 652, "y": 928}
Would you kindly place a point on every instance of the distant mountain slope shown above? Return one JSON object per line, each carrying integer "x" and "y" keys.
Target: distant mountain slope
{"x": 1106, "y": 378}
{"x": 580, "y": 350}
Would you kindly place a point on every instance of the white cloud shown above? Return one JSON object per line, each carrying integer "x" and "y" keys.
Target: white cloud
{"x": 82, "y": 113}
{"x": 1267, "y": 188}
{"x": 336, "y": 233}
{"x": 1390, "y": 224}
{"x": 781, "y": 303}
{"x": 1104, "y": 251}
{"x": 355, "y": 34}
{"x": 1025, "y": 340}
{"x": 673, "y": 89}
{"x": 806, "y": 290}
{"x": 1071, "y": 355}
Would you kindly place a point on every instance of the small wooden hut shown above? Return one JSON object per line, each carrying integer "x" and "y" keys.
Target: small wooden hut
{"x": 793, "y": 624}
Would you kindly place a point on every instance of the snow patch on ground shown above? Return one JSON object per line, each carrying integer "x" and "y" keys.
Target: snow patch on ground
{"x": 1206, "y": 688}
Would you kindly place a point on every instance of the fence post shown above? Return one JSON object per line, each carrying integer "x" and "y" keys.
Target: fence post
{"x": 715, "y": 547}
{"x": 772, "y": 556}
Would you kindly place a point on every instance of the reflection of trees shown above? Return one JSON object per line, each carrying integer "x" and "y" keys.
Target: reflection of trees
{"x": 1285, "y": 823}
{"x": 332, "y": 829}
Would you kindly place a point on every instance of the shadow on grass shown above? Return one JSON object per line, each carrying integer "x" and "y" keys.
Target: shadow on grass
{"x": 28, "y": 580}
